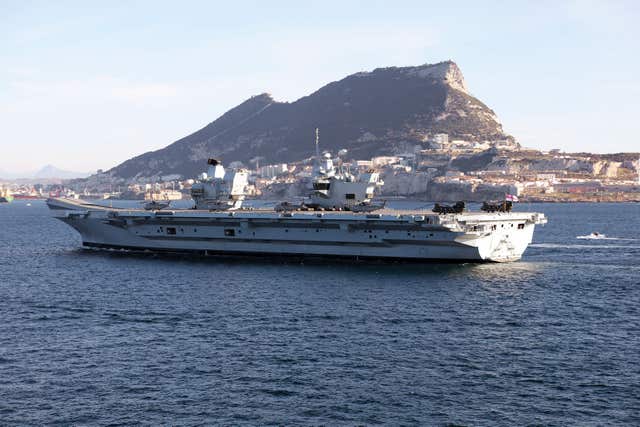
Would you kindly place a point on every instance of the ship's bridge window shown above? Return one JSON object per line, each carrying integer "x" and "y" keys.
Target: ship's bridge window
{"x": 350, "y": 196}
{"x": 321, "y": 185}
{"x": 520, "y": 226}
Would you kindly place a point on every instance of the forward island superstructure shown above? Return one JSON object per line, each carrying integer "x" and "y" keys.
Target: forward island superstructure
{"x": 343, "y": 223}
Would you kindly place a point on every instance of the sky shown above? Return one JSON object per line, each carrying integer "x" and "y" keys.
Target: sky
{"x": 87, "y": 85}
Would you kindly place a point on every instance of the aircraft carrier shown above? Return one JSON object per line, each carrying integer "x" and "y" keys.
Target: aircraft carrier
{"x": 384, "y": 235}
{"x": 338, "y": 220}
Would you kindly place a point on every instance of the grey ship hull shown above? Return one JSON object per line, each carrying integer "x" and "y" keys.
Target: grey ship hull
{"x": 389, "y": 235}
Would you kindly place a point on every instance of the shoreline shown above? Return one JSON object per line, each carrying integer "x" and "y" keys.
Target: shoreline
{"x": 522, "y": 199}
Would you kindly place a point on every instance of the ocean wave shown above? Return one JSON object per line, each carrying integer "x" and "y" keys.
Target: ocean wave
{"x": 603, "y": 237}
{"x": 575, "y": 246}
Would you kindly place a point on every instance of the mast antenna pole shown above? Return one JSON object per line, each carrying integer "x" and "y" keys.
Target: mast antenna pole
{"x": 318, "y": 148}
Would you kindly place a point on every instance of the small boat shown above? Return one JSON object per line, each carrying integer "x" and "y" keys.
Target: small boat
{"x": 594, "y": 235}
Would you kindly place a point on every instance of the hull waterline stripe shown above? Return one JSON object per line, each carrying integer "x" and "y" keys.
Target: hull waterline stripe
{"x": 275, "y": 255}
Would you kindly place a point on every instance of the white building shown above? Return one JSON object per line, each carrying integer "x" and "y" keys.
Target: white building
{"x": 441, "y": 138}
{"x": 271, "y": 171}
{"x": 551, "y": 177}
{"x": 440, "y": 141}
{"x": 384, "y": 161}
{"x": 461, "y": 144}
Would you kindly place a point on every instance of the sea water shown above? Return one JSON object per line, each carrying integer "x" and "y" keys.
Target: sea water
{"x": 91, "y": 337}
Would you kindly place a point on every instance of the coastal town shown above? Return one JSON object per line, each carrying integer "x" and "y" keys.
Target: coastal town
{"x": 441, "y": 169}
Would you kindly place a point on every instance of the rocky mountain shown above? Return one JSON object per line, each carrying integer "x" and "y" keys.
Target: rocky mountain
{"x": 385, "y": 111}
{"x": 52, "y": 172}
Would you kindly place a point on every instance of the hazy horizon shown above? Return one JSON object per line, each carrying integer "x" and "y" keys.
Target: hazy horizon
{"x": 87, "y": 86}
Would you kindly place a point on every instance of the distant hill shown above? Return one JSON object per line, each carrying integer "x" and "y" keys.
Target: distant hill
{"x": 52, "y": 172}
{"x": 384, "y": 111}
{"x": 48, "y": 172}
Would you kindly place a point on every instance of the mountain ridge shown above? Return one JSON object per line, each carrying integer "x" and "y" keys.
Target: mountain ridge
{"x": 377, "y": 112}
